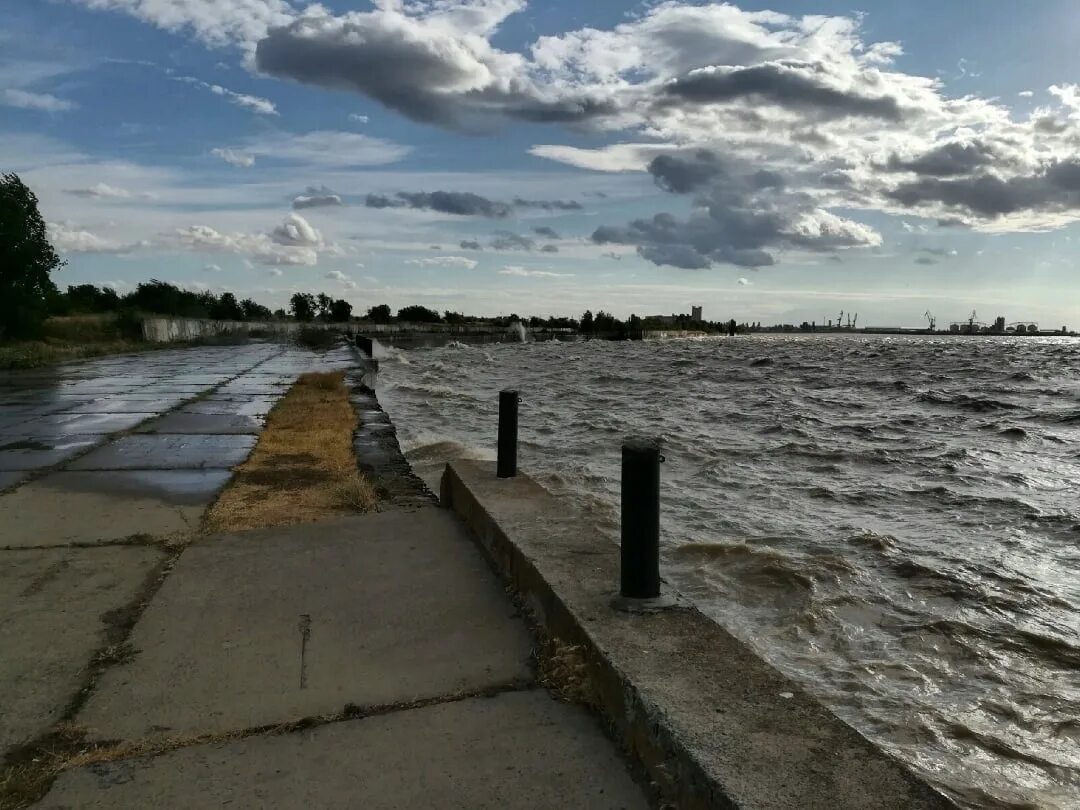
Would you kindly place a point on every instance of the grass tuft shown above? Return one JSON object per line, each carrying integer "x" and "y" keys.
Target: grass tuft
{"x": 303, "y": 468}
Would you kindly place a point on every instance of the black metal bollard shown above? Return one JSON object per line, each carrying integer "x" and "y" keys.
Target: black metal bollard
{"x": 640, "y": 577}
{"x": 508, "y": 434}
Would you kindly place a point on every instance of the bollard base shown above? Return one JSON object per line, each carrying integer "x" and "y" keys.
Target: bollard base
{"x": 665, "y": 601}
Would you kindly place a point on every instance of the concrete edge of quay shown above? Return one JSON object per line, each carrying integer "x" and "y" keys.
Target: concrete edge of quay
{"x": 712, "y": 724}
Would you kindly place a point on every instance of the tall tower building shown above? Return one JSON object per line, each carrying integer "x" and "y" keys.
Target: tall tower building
{"x": 695, "y": 313}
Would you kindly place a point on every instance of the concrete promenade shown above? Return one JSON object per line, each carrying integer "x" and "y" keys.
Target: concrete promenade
{"x": 368, "y": 662}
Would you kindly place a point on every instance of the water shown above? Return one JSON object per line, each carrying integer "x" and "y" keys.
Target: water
{"x": 892, "y": 521}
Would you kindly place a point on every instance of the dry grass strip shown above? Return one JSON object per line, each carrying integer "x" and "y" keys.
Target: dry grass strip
{"x": 303, "y": 468}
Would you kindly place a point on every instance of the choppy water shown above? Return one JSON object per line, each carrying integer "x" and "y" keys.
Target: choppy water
{"x": 894, "y": 521}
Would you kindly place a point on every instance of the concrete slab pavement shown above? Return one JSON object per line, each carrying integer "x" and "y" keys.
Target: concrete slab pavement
{"x": 282, "y": 624}
{"x": 516, "y": 750}
{"x": 65, "y": 508}
{"x": 197, "y": 423}
{"x": 168, "y": 452}
{"x": 55, "y": 609}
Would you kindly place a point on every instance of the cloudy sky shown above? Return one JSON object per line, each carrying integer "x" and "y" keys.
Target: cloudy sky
{"x": 773, "y": 161}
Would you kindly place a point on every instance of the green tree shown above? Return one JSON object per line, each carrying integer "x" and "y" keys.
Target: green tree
{"x": 227, "y": 308}
{"x": 302, "y": 306}
{"x": 587, "y": 322}
{"x": 26, "y": 259}
{"x": 418, "y": 314}
{"x": 86, "y": 298}
{"x": 323, "y": 302}
{"x": 254, "y": 311}
{"x": 340, "y": 311}
{"x": 380, "y": 314}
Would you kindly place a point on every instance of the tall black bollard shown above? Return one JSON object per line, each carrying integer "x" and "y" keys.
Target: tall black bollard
{"x": 508, "y": 434}
{"x": 640, "y": 577}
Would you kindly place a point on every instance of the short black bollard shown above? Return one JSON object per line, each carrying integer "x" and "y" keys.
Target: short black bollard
{"x": 508, "y": 434}
{"x": 640, "y": 578}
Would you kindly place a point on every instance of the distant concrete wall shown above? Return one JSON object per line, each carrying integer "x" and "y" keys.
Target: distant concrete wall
{"x": 159, "y": 329}
{"x": 171, "y": 330}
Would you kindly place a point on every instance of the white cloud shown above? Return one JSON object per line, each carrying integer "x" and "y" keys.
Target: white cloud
{"x": 1026, "y": 93}
{"x": 444, "y": 261}
{"x": 234, "y": 157}
{"x": 317, "y": 197}
{"x": 360, "y": 119}
{"x": 337, "y": 275}
{"x": 518, "y": 270}
{"x": 254, "y": 103}
{"x": 744, "y": 282}
{"x": 212, "y": 268}
{"x": 215, "y": 22}
{"x": 273, "y": 271}
{"x": 618, "y": 157}
{"x": 70, "y": 238}
{"x": 326, "y": 148}
{"x": 260, "y": 247}
{"x": 103, "y": 191}
{"x": 296, "y": 231}
{"x": 24, "y": 99}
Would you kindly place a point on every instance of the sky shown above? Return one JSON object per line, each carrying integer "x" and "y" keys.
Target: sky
{"x": 769, "y": 161}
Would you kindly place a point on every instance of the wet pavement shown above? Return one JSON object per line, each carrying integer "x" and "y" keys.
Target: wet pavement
{"x": 185, "y": 409}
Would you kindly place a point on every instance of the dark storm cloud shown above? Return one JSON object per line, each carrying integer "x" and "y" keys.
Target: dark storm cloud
{"x": 687, "y": 172}
{"x": 505, "y": 240}
{"x": 947, "y": 160}
{"x": 549, "y": 205}
{"x": 468, "y": 244}
{"x": 741, "y": 217}
{"x": 389, "y": 67}
{"x": 1056, "y": 187}
{"x": 926, "y": 260}
{"x": 460, "y": 203}
{"x": 463, "y": 203}
{"x": 404, "y": 68}
{"x": 549, "y": 249}
{"x": 691, "y": 171}
{"x": 382, "y": 201}
{"x": 795, "y": 85}
{"x": 544, "y": 230}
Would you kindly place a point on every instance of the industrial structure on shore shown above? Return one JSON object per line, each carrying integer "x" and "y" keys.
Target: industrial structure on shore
{"x": 970, "y": 326}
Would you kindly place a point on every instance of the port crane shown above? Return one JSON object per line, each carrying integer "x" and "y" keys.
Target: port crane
{"x": 932, "y": 320}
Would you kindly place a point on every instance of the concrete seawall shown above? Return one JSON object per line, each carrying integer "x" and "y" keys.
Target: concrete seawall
{"x": 167, "y": 329}
{"x": 173, "y": 330}
{"x": 713, "y": 724}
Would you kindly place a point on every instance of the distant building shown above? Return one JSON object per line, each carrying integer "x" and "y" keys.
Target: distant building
{"x": 695, "y": 313}
{"x": 999, "y": 323}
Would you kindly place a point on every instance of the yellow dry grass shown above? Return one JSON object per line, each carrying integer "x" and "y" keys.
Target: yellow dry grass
{"x": 302, "y": 469}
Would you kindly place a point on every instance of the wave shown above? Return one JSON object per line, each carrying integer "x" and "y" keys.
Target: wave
{"x": 966, "y": 402}
{"x": 1015, "y": 433}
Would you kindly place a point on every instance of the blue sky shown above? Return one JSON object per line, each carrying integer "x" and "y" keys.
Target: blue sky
{"x": 770, "y": 161}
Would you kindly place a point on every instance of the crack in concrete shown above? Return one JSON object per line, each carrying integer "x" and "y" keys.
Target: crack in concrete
{"x": 304, "y": 626}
